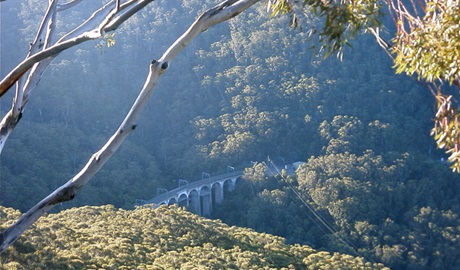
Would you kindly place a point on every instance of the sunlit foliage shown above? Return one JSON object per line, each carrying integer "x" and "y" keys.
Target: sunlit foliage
{"x": 166, "y": 238}
{"x": 423, "y": 40}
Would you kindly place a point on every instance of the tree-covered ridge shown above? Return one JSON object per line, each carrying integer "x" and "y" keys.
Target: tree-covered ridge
{"x": 396, "y": 209}
{"x": 420, "y": 36}
{"x": 104, "y": 237}
{"x": 248, "y": 89}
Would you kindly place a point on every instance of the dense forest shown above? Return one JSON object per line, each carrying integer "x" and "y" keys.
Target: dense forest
{"x": 373, "y": 184}
{"x": 166, "y": 238}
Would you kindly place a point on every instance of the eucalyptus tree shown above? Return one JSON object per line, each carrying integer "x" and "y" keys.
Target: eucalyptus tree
{"x": 420, "y": 36}
{"x": 424, "y": 43}
{"x": 43, "y": 50}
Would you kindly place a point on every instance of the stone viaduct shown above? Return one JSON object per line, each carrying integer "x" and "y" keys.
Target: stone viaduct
{"x": 200, "y": 196}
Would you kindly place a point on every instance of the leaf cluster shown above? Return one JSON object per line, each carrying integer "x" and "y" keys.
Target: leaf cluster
{"x": 431, "y": 48}
{"x": 341, "y": 21}
{"x": 446, "y": 131}
{"x": 108, "y": 39}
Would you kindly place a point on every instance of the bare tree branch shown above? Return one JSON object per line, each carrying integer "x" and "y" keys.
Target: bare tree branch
{"x": 92, "y": 28}
{"x": 222, "y": 12}
{"x": 126, "y": 14}
{"x": 42, "y": 52}
{"x": 25, "y": 86}
{"x": 68, "y": 5}
{"x": 213, "y": 16}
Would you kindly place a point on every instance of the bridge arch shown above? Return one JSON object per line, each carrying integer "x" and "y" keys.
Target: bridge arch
{"x": 183, "y": 200}
{"x": 172, "y": 201}
{"x": 199, "y": 196}
{"x": 230, "y": 183}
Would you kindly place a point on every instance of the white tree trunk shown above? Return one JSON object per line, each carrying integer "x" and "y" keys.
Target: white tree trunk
{"x": 219, "y": 13}
{"x": 42, "y": 51}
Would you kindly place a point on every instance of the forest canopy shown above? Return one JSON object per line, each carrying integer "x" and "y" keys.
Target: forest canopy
{"x": 165, "y": 238}
{"x": 247, "y": 90}
{"x": 421, "y": 37}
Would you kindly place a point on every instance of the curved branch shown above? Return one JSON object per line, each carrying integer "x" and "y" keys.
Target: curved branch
{"x": 27, "y": 64}
{"x": 68, "y": 191}
{"x": 93, "y": 22}
{"x": 75, "y": 37}
{"x": 116, "y": 22}
{"x": 68, "y": 5}
{"x": 222, "y": 12}
{"x": 40, "y": 38}
{"x": 24, "y": 86}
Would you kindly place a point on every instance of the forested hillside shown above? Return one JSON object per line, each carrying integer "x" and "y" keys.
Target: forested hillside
{"x": 247, "y": 90}
{"x": 394, "y": 209}
{"x": 373, "y": 184}
{"x": 166, "y": 238}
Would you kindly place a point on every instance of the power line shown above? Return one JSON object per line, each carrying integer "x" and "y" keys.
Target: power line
{"x": 314, "y": 212}
{"x": 323, "y": 221}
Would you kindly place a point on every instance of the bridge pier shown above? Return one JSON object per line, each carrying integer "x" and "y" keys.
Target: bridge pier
{"x": 196, "y": 202}
{"x": 200, "y": 196}
{"x": 207, "y": 205}
{"x": 232, "y": 184}
{"x": 218, "y": 193}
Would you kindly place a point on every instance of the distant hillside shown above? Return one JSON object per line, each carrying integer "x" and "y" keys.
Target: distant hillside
{"x": 166, "y": 238}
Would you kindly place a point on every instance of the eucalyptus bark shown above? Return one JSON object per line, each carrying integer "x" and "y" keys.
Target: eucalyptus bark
{"x": 66, "y": 192}
{"x": 41, "y": 53}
